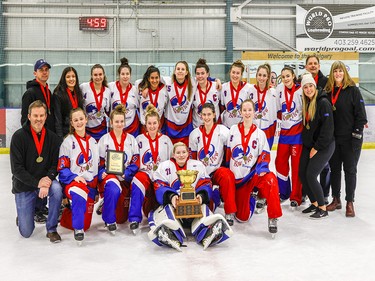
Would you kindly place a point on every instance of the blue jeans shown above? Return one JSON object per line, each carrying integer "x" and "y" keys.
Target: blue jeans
{"x": 25, "y": 204}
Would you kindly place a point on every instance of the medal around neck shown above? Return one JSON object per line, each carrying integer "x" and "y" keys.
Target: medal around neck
{"x": 39, "y": 159}
{"x": 115, "y": 162}
{"x": 188, "y": 205}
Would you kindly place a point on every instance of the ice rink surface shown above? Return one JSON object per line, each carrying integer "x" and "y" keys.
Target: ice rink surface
{"x": 336, "y": 248}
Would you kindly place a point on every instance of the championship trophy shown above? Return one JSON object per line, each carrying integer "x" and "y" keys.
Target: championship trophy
{"x": 187, "y": 205}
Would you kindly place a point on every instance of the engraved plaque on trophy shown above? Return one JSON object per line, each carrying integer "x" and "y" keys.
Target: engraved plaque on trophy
{"x": 187, "y": 205}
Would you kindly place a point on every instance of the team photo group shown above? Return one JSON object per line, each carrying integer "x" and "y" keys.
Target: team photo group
{"x": 190, "y": 130}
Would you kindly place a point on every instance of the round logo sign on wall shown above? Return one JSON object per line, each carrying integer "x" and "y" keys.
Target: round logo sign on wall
{"x": 318, "y": 23}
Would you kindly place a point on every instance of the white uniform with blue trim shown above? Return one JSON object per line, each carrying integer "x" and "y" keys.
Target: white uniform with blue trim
{"x": 231, "y": 114}
{"x": 265, "y": 117}
{"x": 112, "y": 184}
{"x": 132, "y": 106}
{"x": 97, "y": 120}
{"x": 167, "y": 182}
{"x": 212, "y": 96}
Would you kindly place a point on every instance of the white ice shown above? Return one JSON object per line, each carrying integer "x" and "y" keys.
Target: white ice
{"x": 336, "y": 248}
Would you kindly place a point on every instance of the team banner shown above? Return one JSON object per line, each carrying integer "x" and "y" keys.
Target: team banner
{"x": 278, "y": 60}
{"x": 335, "y": 28}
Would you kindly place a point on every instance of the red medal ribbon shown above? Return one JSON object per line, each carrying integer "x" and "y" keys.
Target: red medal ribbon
{"x": 289, "y": 96}
{"x": 207, "y": 137}
{"x": 178, "y": 168}
{"x": 236, "y": 91}
{"x": 98, "y": 97}
{"x": 85, "y": 152}
{"x": 38, "y": 143}
{"x": 261, "y": 96}
{"x": 123, "y": 96}
{"x": 316, "y": 80}
{"x": 154, "y": 149}
{"x": 118, "y": 146}
{"x": 335, "y": 97}
{"x": 73, "y": 100}
{"x": 46, "y": 94}
{"x": 155, "y": 94}
{"x": 203, "y": 95}
{"x": 245, "y": 138}
{"x": 180, "y": 96}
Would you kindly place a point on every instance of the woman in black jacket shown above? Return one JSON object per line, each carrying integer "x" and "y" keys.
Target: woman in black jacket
{"x": 67, "y": 96}
{"x": 349, "y": 115}
{"x": 318, "y": 143}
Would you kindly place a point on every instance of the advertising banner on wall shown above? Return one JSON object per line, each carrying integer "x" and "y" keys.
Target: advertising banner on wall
{"x": 335, "y": 28}
{"x": 278, "y": 60}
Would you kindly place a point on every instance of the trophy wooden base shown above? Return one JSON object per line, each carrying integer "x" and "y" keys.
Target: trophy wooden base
{"x": 186, "y": 209}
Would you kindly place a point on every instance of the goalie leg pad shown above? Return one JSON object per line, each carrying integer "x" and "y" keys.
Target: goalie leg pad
{"x": 200, "y": 226}
{"x": 164, "y": 217}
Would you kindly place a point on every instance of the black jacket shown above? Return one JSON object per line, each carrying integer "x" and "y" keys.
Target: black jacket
{"x": 26, "y": 171}
{"x": 320, "y": 134}
{"x": 62, "y": 107}
{"x": 32, "y": 94}
{"x": 322, "y": 80}
{"x": 350, "y": 113}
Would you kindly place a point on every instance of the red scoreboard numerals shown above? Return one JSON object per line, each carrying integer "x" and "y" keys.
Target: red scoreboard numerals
{"x": 93, "y": 23}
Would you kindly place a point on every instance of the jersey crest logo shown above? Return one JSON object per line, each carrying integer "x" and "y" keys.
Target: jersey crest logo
{"x": 238, "y": 153}
{"x": 284, "y": 107}
{"x": 146, "y": 103}
{"x": 264, "y": 105}
{"x": 80, "y": 161}
{"x": 202, "y": 154}
{"x": 91, "y": 109}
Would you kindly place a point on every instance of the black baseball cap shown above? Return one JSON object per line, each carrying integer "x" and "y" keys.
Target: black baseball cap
{"x": 40, "y": 63}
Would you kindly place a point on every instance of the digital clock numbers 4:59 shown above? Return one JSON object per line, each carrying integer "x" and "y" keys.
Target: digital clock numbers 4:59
{"x": 93, "y": 23}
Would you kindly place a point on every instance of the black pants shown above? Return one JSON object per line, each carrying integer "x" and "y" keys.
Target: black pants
{"x": 309, "y": 170}
{"x": 325, "y": 179}
{"x": 346, "y": 154}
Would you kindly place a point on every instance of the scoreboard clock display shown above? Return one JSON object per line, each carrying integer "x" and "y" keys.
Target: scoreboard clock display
{"x": 93, "y": 23}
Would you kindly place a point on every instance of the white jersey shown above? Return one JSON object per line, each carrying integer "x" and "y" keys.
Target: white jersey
{"x": 131, "y": 152}
{"x": 211, "y": 95}
{"x": 231, "y": 114}
{"x": 242, "y": 163}
{"x": 265, "y": 116}
{"x": 158, "y": 98}
{"x": 291, "y": 115}
{"x": 72, "y": 161}
{"x": 132, "y": 101}
{"x": 147, "y": 163}
{"x": 167, "y": 176}
{"x": 97, "y": 121}
{"x": 214, "y": 159}
{"x": 178, "y": 112}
